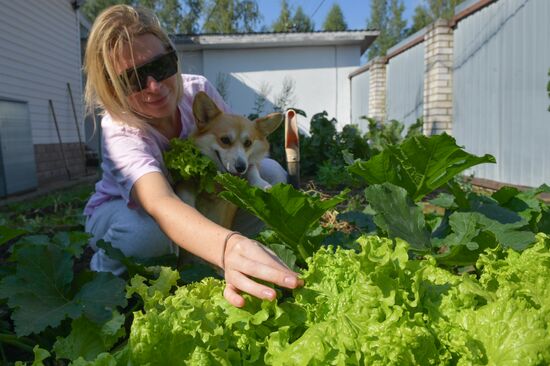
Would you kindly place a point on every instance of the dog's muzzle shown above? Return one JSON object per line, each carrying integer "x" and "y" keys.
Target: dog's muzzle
{"x": 241, "y": 166}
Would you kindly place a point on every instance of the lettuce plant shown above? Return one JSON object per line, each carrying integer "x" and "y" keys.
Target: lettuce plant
{"x": 372, "y": 306}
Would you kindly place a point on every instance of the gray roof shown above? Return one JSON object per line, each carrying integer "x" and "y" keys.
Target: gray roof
{"x": 362, "y": 38}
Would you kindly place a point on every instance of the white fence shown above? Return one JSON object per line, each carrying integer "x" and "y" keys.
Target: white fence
{"x": 497, "y": 82}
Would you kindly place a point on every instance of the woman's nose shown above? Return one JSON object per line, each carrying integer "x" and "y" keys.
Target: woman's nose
{"x": 152, "y": 84}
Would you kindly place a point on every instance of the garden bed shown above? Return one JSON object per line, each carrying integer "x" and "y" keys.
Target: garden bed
{"x": 412, "y": 266}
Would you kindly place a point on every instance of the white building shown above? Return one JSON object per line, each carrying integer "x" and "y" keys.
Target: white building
{"x": 39, "y": 58}
{"x": 315, "y": 66}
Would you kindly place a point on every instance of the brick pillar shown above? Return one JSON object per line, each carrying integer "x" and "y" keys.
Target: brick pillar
{"x": 377, "y": 89}
{"x": 438, "y": 78}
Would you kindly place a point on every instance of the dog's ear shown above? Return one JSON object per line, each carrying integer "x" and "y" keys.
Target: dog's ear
{"x": 269, "y": 123}
{"x": 204, "y": 109}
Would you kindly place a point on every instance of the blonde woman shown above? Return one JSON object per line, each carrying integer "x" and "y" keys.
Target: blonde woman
{"x": 133, "y": 77}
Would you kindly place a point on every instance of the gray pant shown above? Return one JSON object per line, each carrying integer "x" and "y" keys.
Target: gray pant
{"x": 136, "y": 234}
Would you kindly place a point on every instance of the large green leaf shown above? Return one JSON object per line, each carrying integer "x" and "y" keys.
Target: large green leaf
{"x": 41, "y": 295}
{"x": 474, "y": 232}
{"x": 88, "y": 339}
{"x": 398, "y": 215}
{"x": 39, "y": 291}
{"x": 287, "y": 211}
{"x": 419, "y": 165}
{"x": 8, "y": 233}
{"x": 526, "y": 204}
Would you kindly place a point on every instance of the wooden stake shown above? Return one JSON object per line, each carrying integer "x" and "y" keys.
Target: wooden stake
{"x": 59, "y": 138}
{"x": 78, "y": 129}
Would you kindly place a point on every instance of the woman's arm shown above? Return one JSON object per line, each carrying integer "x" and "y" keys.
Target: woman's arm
{"x": 183, "y": 224}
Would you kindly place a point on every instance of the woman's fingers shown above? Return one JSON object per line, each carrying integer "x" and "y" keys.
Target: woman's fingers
{"x": 252, "y": 258}
{"x": 246, "y": 260}
{"x": 240, "y": 282}
{"x": 232, "y": 295}
{"x": 272, "y": 272}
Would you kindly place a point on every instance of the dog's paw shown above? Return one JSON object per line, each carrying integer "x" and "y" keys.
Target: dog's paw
{"x": 261, "y": 184}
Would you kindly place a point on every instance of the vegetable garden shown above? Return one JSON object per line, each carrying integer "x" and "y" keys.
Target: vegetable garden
{"x": 403, "y": 262}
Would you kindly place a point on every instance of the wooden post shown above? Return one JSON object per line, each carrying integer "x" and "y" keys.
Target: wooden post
{"x": 59, "y": 138}
{"x": 78, "y": 129}
{"x": 292, "y": 148}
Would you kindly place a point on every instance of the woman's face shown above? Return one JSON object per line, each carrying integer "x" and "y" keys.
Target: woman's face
{"x": 157, "y": 99}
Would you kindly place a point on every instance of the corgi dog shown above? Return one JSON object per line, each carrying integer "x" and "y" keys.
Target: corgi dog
{"x": 236, "y": 145}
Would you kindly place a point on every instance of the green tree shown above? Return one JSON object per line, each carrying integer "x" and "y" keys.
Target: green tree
{"x": 92, "y": 8}
{"x": 301, "y": 22}
{"x": 396, "y": 24}
{"x": 284, "y": 21}
{"x": 335, "y": 19}
{"x": 421, "y": 18}
{"x": 192, "y": 11}
{"x": 231, "y": 16}
{"x": 169, "y": 15}
{"x": 431, "y": 10}
{"x": 170, "y": 12}
{"x": 387, "y": 17}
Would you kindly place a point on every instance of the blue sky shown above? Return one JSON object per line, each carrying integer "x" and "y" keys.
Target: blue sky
{"x": 355, "y": 12}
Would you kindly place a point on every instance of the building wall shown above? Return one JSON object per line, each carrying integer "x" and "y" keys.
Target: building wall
{"x": 39, "y": 55}
{"x": 500, "y": 101}
{"x": 405, "y": 86}
{"x": 360, "y": 99}
{"x": 318, "y": 75}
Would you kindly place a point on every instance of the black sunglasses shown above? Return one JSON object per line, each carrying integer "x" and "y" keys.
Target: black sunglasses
{"x": 159, "y": 68}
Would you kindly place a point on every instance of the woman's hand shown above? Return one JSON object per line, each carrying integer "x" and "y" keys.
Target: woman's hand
{"x": 246, "y": 259}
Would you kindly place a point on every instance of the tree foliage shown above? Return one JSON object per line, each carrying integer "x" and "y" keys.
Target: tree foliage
{"x": 174, "y": 16}
{"x": 301, "y": 22}
{"x": 335, "y": 19}
{"x": 431, "y": 10}
{"x": 184, "y": 16}
{"x": 231, "y": 16}
{"x": 286, "y": 22}
{"x": 193, "y": 10}
{"x": 92, "y": 8}
{"x": 387, "y": 17}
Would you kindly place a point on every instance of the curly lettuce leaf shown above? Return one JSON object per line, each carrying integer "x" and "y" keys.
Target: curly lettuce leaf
{"x": 185, "y": 162}
{"x": 373, "y": 305}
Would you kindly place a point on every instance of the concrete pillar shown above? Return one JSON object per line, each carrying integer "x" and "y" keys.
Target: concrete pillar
{"x": 438, "y": 78}
{"x": 377, "y": 89}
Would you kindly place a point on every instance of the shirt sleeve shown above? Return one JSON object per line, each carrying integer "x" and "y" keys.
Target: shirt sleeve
{"x": 127, "y": 157}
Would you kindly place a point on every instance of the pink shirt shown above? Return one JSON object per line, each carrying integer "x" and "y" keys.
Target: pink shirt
{"x": 129, "y": 153}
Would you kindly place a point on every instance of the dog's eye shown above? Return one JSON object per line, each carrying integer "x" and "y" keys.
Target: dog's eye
{"x": 247, "y": 143}
{"x": 225, "y": 140}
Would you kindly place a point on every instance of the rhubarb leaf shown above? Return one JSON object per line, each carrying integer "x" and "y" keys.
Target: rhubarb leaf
{"x": 420, "y": 164}
{"x": 398, "y": 215}
{"x": 292, "y": 214}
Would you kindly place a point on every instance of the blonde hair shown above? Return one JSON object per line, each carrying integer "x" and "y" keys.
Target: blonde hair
{"x": 113, "y": 30}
